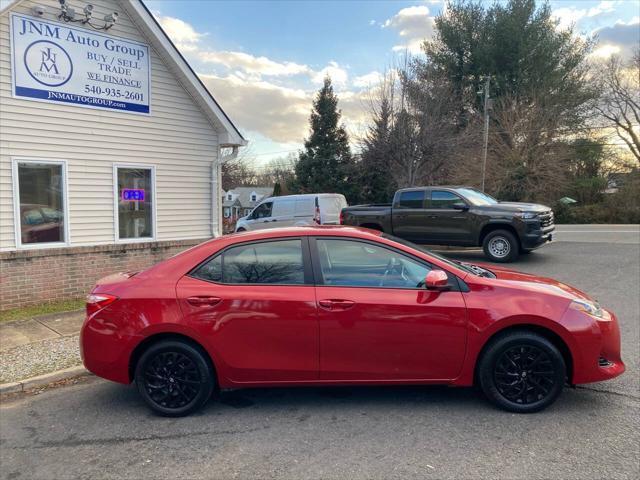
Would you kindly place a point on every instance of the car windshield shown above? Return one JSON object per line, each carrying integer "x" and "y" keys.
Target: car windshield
{"x": 476, "y": 197}
{"x": 429, "y": 252}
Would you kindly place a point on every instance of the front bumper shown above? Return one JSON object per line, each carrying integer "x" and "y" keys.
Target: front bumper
{"x": 536, "y": 236}
{"x": 599, "y": 357}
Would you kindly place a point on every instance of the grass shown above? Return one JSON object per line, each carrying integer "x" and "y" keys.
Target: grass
{"x": 42, "y": 309}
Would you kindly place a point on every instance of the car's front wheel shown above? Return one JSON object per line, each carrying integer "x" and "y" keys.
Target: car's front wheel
{"x": 522, "y": 372}
{"x": 501, "y": 246}
{"x": 174, "y": 378}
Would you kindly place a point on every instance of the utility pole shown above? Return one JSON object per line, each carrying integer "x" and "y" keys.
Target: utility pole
{"x": 486, "y": 128}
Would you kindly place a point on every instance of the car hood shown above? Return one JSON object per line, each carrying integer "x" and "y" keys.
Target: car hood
{"x": 536, "y": 283}
{"x": 522, "y": 207}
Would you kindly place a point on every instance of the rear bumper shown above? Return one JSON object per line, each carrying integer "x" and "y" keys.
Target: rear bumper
{"x": 105, "y": 351}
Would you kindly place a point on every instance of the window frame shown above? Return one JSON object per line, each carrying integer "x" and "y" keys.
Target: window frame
{"x": 17, "y": 224}
{"x": 430, "y": 199}
{"x": 425, "y": 199}
{"x": 307, "y": 264}
{"x": 116, "y": 197}
{"x": 454, "y": 282}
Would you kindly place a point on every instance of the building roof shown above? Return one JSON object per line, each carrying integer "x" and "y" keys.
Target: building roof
{"x": 228, "y": 134}
{"x": 244, "y": 194}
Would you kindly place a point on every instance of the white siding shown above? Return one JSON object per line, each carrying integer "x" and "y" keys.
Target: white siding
{"x": 176, "y": 137}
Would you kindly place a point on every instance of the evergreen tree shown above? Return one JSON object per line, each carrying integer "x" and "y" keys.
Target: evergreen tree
{"x": 326, "y": 164}
{"x": 375, "y": 178}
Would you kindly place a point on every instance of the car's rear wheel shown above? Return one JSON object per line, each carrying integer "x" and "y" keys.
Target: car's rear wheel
{"x": 522, "y": 372}
{"x": 174, "y": 378}
{"x": 501, "y": 246}
{"x": 240, "y": 230}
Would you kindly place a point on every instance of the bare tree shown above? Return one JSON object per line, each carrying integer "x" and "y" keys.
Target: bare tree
{"x": 528, "y": 154}
{"x": 620, "y": 100}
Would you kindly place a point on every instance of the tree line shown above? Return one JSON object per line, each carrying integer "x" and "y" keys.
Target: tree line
{"x": 551, "y": 111}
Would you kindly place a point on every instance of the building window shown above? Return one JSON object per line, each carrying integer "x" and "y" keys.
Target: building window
{"x": 254, "y": 197}
{"x": 135, "y": 202}
{"x": 230, "y": 197}
{"x": 41, "y": 213}
{"x": 227, "y": 213}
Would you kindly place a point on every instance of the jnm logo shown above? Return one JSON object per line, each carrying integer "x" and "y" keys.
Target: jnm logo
{"x": 49, "y": 61}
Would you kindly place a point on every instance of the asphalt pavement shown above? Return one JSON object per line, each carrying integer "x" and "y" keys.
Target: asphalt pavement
{"x": 98, "y": 429}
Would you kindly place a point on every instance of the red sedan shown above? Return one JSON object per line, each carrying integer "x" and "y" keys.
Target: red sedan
{"x": 341, "y": 306}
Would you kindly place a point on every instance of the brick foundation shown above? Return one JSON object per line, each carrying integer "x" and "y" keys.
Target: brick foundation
{"x": 30, "y": 277}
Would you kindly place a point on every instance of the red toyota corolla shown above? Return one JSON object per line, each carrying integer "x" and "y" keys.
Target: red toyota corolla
{"x": 341, "y": 306}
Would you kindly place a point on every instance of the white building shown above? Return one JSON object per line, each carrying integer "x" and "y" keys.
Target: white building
{"x": 109, "y": 145}
{"x": 239, "y": 201}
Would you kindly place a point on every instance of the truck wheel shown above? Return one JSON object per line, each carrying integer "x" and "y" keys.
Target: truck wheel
{"x": 500, "y": 246}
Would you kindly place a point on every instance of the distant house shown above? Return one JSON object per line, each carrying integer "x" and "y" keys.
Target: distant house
{"x": 239, "y": 202}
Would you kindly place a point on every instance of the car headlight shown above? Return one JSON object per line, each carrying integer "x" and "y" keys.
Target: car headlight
{"x": 590, "y": 308}
{"x": 526, "y": 215}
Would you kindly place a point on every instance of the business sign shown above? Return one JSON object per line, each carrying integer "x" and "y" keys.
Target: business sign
{"x": 132, "y": 195}
{"x": 52, "y": 62}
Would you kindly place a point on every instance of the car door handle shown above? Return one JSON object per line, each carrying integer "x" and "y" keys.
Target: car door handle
{"x": 336, "y": 304}
{"x": 201, "y": 301}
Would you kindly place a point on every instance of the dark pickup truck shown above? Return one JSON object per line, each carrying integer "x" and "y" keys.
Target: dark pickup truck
{"x": 461, "y": 216}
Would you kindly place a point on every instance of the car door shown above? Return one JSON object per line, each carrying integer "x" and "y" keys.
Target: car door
{"x": 376, "y": 320}
{"x": 449, "y": 220}
{"x": 261, "y": 216}
{"x": 282, "y": 212}
{"x": 408, "y": 215}
{"x": 255, "y": 303}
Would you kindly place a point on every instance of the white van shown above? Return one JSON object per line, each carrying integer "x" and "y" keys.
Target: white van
{"x": 294, "y": 210}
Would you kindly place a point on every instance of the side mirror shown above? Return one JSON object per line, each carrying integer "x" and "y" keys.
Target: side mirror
{"x": 437, "y": 280}
{"x": 460, "y": 206}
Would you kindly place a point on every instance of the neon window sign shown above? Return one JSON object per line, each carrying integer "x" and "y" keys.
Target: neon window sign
{"x": 132, "y": 195}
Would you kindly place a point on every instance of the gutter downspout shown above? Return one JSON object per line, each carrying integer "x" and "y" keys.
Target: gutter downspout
{"x": 216, "y": 188}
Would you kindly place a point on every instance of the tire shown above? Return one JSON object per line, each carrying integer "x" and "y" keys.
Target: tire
{"x": 501, "y": 246}
{"x": 240, "y": 230}
{"x": 508, "y": 377}
{"x": 174, "y": 378}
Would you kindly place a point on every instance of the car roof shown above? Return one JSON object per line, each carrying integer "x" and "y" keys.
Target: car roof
{"x": 306, "y": 230}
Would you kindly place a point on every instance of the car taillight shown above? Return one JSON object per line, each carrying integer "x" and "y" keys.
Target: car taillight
{"x": 341, "y": 217}
{"x": 98, "y": 301}
{"x": 316, "y": 217}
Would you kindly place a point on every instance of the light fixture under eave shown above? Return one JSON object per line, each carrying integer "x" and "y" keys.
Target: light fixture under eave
{"x": 69, "y": 14}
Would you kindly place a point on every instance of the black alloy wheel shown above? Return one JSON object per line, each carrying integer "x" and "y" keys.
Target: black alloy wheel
{"x": 522, "y": 372}
{"x": 174, "y": 378}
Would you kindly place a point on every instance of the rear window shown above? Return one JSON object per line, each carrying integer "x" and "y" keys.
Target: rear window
{"x": 412, "y": 199}
{"x": 274, "y": 262}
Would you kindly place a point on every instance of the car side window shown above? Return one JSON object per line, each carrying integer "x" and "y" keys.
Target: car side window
{"x": 444, "y": 199}
{"x": 411, "y": 199}
{"x": 263, "y": 210}
{"x": 350, "y": 263}
{"x": 277, "y": 262}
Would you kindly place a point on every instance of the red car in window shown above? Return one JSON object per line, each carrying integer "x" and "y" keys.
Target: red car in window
{"x": 341, "y": 306}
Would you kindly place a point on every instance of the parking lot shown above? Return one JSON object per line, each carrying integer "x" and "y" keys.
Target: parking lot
{"x": 98, "y": 429}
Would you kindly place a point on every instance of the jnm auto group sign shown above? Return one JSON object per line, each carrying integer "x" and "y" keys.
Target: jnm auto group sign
{"x": 55, "y": 63}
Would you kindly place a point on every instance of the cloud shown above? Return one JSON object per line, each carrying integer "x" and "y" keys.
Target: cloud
{"x": 251, "y": 64}
{"x": 181, "y": 33}
{"x": 243, "y": 84}
{"x": 414, "y": 25}
{"x": 570, "y": 16}
{"x": 368, "y": 80}
{"x": 339, "y": 76}
{"x": 621, "y": 38}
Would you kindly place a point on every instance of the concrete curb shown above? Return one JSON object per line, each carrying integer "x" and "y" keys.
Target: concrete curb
{"x": 43, "y": 380}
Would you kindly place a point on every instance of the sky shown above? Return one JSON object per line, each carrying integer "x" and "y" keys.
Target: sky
{"x": 263, "y": 61}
